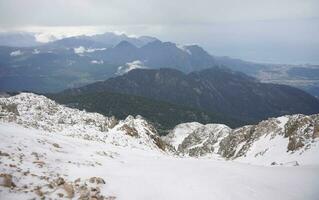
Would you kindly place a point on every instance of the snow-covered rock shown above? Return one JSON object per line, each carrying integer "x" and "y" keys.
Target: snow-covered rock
{"x": 280, "y": 140}
{"x": 195, "y": 139}
{"x": 36, "y": 111}
{"x": 49, "y": 151}
{"x": 37, "y": 164}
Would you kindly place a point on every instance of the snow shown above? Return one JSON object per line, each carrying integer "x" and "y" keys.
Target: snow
{"x": 267, "y": 146}
{"x": 45, "y": 141}
{"x": 139, "y": 174}
{"x": 36, "y": 111}
{"x": 180, "y": 132}
{"x": 282, "y": 121}
{"x": 267, "y": 150}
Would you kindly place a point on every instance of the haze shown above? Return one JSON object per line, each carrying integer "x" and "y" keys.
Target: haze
{"x": 273, "y": 31}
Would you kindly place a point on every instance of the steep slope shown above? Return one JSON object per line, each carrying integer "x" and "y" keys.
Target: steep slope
{"x": 50, "y": 151}
{"x": 39, "y": 112}
{"x": 216, "y": 90}
{"x": 38, "y": 164}
{"x": 287, "y": 140}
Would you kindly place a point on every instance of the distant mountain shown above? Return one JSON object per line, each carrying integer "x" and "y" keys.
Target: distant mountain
{"x": 112, "y": 39}
{"x": 75, "y": 61}
{"x": 216, "y": 90}
{"x": 106, "y": 40}
{"x": 18, "y": 39}
{"x": 164, "y": 116}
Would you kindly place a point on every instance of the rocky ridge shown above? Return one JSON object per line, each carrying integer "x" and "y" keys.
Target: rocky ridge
{"x": 50, "y": 151}
{"x": 39, "y": 112}
{"x": 284, "y": 138}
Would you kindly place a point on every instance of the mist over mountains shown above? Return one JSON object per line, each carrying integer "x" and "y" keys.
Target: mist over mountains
{"x": 76, "y": 61}
{"x": 159, "y": 100}
{"x": 211, "y": 88}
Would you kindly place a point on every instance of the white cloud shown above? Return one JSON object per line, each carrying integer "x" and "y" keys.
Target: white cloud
{"x": 35, "y": 51}
{"x": 98, "y": 62}
{"x": 81, "y": 50}
{"x": 16, "y": 53}
{"x": 89, "y": 50}
{"x": 45, "y": 37}
{"x": 137, "y": 64}
{"x": 183, "y": 48}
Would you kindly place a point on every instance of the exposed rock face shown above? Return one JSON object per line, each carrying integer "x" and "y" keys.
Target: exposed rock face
{"x": 203, "y": 139}
{"x": 288, "y": 136}
{"x": 6, "y": 180}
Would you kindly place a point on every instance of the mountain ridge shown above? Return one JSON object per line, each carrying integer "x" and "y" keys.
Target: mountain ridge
{"x": 217, "y": 90}
{"x": 79, "y": 60}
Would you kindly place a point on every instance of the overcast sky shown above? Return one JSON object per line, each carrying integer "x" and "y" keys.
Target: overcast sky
{"x": 281, "y": 31}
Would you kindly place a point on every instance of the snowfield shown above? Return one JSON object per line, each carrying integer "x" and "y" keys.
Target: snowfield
{"x": 131, "y": 173}
{"x": 48, "y": 151}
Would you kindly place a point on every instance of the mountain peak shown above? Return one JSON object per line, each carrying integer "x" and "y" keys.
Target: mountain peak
{"x": 125, "y": 44}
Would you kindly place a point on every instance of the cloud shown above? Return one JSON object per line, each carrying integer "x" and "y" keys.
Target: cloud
{"x": 45, "y": 37}
{"x": 82, "y": 50}
{"x": 137, "y": 64}
{"x": 183, "y": 48}
{"x": 98, "y": 62}
{"x": 35, "y": 51}
{"x": 79, "y": 50}
{"x": 16, "y": 53}
{"x": 149, "y": 12}
{"x": 261, "y": 30}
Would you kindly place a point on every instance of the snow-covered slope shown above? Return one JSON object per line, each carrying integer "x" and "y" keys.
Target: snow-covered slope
{"x": 51, "y": 151}
{"x": 284, "y": 140}
{"x": 39, "y": 112}
{"x": 36, "y": 163}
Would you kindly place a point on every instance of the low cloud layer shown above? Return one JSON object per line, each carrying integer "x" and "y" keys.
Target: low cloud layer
{"x": 264, "y": 30}
{"x": 127, "y": 12}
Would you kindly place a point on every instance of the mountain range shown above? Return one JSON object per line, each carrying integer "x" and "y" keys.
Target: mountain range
{"x": 216, "y": 90}
{"x": 76, "y": 61}
{"x": 162, "y": 114}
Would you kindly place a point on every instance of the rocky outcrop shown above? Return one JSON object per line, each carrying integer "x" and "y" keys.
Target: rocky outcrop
{"x": 289, "y": 136}
{"x": 39, "y": 112}
{"x": 203, "y": 140}
{"x": 286, "y": 136}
